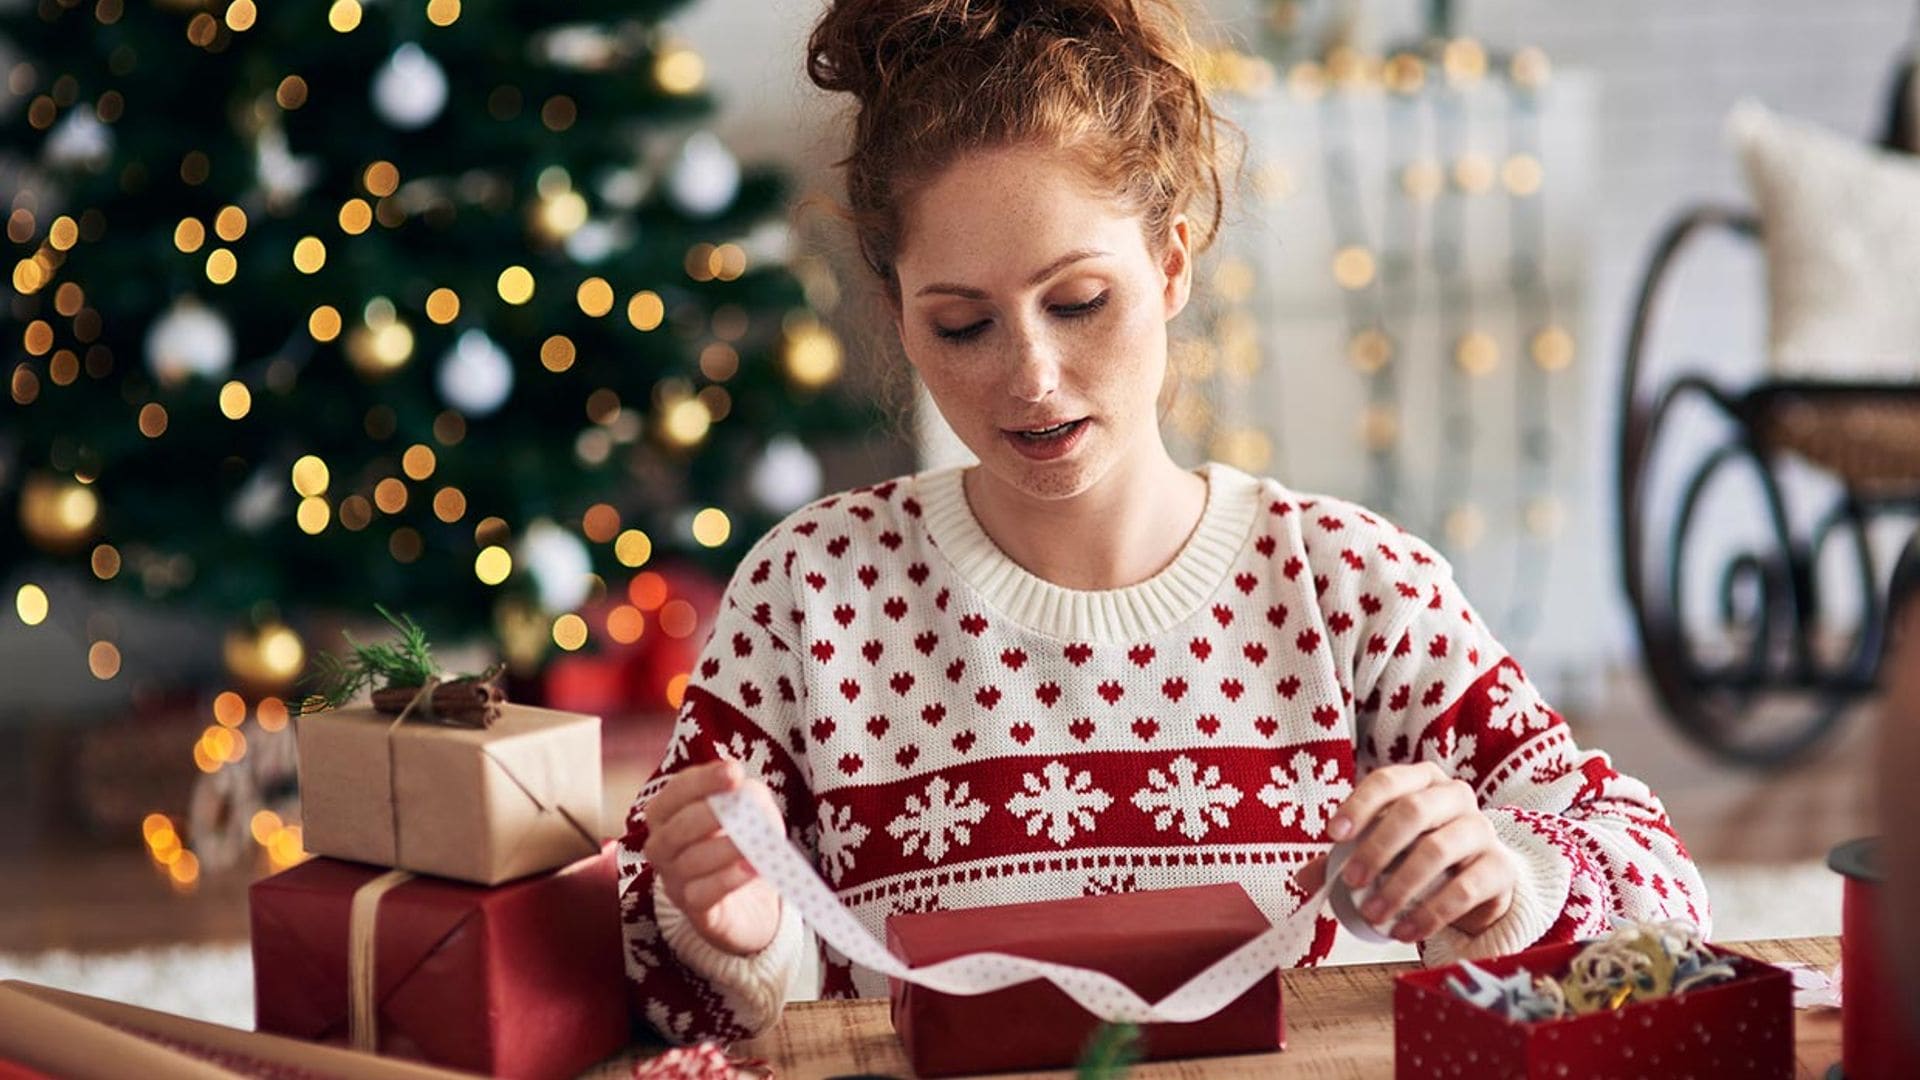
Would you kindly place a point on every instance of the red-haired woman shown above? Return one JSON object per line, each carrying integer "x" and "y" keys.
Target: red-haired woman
{"x": 1079, "y": 667}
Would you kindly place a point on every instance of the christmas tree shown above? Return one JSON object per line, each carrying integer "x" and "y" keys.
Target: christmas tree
{"x": 323, "y": 303}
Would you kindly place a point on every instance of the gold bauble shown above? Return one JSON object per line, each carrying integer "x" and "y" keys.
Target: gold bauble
{"x": 810, "y": 352}
{"x": 382, "y": 343}
{"x": 268, "y": 658}
{"x": 58, "y": 514}
{"x": 524, "y": 634}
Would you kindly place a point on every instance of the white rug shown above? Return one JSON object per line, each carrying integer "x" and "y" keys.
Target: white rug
{"x": 216, "y": 982}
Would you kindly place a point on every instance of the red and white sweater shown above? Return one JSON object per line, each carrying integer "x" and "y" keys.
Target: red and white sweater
{"x": 944, "y": 729}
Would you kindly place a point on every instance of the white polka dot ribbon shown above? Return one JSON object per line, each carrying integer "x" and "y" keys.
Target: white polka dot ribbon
{"x": 787, "y": 869}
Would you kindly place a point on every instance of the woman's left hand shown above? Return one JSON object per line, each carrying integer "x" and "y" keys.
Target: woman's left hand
{"x": 1417, "y": 825}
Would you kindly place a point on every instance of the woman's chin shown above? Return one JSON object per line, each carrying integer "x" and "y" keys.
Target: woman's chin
{"x": 1061, "y": 478}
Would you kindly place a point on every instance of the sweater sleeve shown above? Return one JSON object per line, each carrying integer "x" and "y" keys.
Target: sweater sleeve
{"x": 742, "y": 702}
{"x": 1590, "y": 843}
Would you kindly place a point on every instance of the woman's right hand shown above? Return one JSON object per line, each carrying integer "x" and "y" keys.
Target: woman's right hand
{"x": 700, "y": 869}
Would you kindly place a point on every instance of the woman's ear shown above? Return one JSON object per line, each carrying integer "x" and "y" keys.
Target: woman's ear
{"x": 1176, "y": 263}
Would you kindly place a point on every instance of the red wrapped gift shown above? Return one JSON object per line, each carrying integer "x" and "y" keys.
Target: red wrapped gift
{"x": 1151, "y": 941}
{"x": 523, "y": 979}
{"x": 1737, "y": 1028}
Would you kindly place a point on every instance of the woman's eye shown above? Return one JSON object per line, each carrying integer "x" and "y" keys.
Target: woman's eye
{"x": 1069, "y": 311}
{"x": 961, "y": 334}
{"x": 1088, "y": 308}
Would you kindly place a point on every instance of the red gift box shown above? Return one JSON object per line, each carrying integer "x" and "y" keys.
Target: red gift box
{"x": 1152, "y": 941}
{"x": 523, "y": 979}
{"x": 1742, "y": 1027}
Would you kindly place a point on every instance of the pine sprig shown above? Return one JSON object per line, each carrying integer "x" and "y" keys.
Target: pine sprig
{"x": 1110, "y": 1052}
{"x": 336, "y": 680}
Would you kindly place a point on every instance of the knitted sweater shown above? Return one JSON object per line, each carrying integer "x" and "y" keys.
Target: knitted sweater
{"x": 943, "y": 729}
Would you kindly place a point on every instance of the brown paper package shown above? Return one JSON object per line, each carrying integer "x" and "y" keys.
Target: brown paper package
{"x": 483, "y": 805}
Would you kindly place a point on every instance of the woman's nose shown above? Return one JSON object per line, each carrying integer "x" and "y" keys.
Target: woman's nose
{"x": 1036, "y": 370}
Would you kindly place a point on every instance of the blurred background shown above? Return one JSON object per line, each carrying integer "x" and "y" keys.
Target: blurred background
{"x": 512, "y": 320}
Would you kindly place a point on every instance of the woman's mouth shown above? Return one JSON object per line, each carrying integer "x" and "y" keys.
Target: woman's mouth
{"x": 1048, "y": 442}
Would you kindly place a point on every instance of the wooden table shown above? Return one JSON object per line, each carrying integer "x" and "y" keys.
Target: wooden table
{"x": 1339, "y": 1024}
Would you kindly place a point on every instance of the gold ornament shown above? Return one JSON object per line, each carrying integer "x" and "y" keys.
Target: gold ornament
{"x": 57, "y": 514}
{"x": 524, "y": 634}
{"x": 268, "y": 658}
{"x": 810, "y": 351}
{"x": 382, "y": 343}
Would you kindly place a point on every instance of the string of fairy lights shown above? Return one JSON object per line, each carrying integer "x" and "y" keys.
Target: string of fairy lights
{"x": 1388, "y": 265}
{"x": 190, "y": 350}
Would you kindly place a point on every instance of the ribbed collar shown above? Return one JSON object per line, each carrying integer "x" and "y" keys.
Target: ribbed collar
{"x": 1109, "y": 616}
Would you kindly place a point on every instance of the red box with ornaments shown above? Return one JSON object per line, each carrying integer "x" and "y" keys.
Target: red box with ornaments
{"x": 1152, "y": 941}
{"x": 522, "y": 979}
{"x": 1742, "y": 1027}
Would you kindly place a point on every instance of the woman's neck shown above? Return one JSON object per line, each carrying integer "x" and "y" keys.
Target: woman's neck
{"x": 1125, "y": 529}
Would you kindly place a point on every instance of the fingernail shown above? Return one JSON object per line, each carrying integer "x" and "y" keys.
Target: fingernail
{"x": 1340, "y": 829}
{"x": 1355, "y": 874}
{"x": 1404, "y": 930}
{"x": 1373, "y": 909}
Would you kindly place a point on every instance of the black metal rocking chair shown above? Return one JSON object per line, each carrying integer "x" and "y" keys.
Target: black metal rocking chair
{"x": 1761, "y": 690}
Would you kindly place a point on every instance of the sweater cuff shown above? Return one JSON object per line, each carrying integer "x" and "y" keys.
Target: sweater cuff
{"x": 754, "y": 986}
{"x": 1539, "y": 896}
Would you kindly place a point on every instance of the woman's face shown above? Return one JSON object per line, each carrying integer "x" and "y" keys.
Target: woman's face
{"x": 1029, "y": 301}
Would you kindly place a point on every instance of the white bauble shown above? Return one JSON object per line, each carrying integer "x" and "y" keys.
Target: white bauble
{"x": 410, "y": 89}
{"x": 786, "y": 477}
{"x": 623, "y": 188}
{"x": 595, "y": 241}
{"x": 561, "y": 567}
{"x": 705, "y": 177}
{"x": 476, "y": 376}
{"x": 79, "y": 141}
{"x": 259, "y": 502}
{"x": 190, "y": 339}
{"x": 769, "y": 244}
{"x": 284, "y": 176}
{"x": 581, "y": 48}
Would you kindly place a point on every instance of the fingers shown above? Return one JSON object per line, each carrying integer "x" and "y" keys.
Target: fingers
{"x": 704, "y": 892}
{"x": 690, "y": 825}
{"x": 679, "y": 814}
{"x": 1381, "y": 787}
{"x": 1311, "y": 875}
{"x": 1425, "y": 862}
{"x": 692, "y": 785}
{"x": 1477, "y": 897}
{"x": 1402, "y": 822}
{"x": 705, "y": 857}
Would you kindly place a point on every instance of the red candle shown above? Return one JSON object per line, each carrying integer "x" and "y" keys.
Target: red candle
{"x": 1875, "y": 1039}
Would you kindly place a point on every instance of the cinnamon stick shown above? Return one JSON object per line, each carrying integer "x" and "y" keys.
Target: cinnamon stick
{"x": 473, "y": 701}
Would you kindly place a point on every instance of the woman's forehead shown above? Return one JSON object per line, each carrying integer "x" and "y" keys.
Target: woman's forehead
{"x": 981, "y": 220}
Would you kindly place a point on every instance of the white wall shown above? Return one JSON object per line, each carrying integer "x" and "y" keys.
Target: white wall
{"x": 1666, "y": 74}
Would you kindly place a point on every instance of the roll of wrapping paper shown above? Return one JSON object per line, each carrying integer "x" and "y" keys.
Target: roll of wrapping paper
{"x": 1876, "y": 1043}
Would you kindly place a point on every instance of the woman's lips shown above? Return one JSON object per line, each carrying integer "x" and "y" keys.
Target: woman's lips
{"x": 1051, "y": 446}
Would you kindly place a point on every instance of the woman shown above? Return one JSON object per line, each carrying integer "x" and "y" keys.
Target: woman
{"x": 1079, "y": 667}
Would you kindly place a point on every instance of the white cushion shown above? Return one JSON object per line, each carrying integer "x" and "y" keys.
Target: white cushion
{"x": 1841, "y": 222}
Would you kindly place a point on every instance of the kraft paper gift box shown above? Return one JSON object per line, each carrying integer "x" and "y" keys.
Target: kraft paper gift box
{"x": 483, "y": 805}
{"x": 1742, "y": 1027}
{"x": 1152, "y": 941}
{"x": 523, "y": 979}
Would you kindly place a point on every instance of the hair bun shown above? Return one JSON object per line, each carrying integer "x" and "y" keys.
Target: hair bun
{"x": 862, "y": 46}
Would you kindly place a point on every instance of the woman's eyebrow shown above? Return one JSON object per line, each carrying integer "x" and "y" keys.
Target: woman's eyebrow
{"x": 1039, "y": 276}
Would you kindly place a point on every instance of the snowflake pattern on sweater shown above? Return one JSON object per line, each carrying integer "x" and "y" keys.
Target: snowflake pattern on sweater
{"x": 943, "y": 729}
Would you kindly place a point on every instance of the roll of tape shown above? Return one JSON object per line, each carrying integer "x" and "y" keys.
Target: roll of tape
{"x": 1345, "y": 901}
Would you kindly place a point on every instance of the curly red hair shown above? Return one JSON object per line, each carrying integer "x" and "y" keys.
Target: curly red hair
{"x": 1113, "y": 84}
